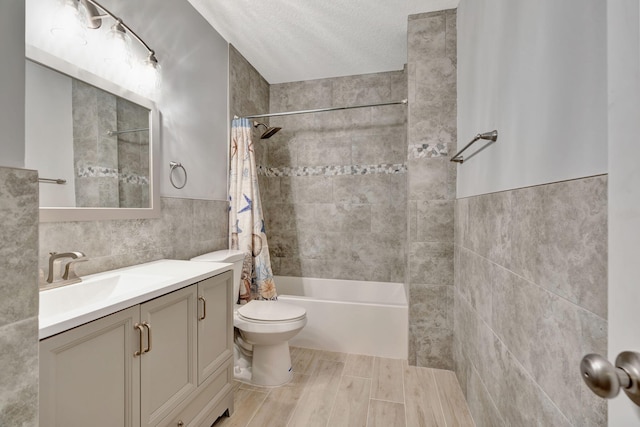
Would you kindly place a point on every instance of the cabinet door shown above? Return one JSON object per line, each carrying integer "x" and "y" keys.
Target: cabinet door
{"x": 89, "y": 375}
{"x": 168, "y": 368}
{"x": 215, "y": 323}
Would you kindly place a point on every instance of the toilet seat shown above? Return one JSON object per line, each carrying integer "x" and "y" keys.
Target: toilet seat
{"x": 270, "y": 312}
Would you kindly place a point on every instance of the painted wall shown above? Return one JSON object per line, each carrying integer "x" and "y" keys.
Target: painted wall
{"x": 533, "y": 70}
{"x": 192, "y": 96}
{"x": 12, "y": 72}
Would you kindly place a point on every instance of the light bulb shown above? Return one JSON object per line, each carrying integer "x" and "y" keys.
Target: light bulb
{"x": 149, "y": 73}
{"x": 68, "y": 24}
{"x": 118, "y": 52}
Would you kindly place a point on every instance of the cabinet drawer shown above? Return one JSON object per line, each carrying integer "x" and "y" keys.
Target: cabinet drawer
{"x": 199, "y": 407}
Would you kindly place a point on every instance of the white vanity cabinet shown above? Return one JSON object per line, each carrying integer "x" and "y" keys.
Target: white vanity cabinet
{"x": 164, "y": 362}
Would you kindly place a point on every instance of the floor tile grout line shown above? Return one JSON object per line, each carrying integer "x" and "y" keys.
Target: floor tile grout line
{"x": 333, "y": 404}
{"x": 404, "y": 395}
{"x": 438, "y": 396}
{"x": 370, "y": 392}
{"x": 258, "y": 408}
{"x": 385, "y": 400}
{"x": 304, "y": 389}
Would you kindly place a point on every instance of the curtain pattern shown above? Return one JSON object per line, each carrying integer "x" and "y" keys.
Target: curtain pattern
{"x": 246, "y": 221}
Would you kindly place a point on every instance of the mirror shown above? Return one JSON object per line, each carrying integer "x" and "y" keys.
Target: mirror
{"x": 92, "y": 143}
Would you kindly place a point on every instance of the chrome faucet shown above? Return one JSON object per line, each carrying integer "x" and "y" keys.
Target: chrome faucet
{"x": 69, "y": 276}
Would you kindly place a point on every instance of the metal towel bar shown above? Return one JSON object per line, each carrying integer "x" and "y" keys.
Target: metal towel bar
{"x": 53, "y": 180}
{"x": 490, "y": 136}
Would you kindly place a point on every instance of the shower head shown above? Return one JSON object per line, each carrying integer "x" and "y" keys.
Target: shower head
{"x": 269, "y": 131}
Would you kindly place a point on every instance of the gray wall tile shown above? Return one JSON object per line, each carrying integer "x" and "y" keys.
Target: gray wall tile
{"x": 482, "y": 408}
{"x": 432, "y": 346}
{"x": 325, "y": 226}
{"x": 431, "y": 305}
{"x": 19, "y": 297}
{"x": 431, "y": 263}
{"x": 19, "y": 212}
{"x": 427, "y": 179}
{"x": 574, "y": 253}
{"x": 537, "y": 323}
{"x": 362, "y": 89}
{"x": 431, "y": 120}
{"x": 434, "y": 221}
{"x": 187, "y": 228}
{"x": 19, "y": 360}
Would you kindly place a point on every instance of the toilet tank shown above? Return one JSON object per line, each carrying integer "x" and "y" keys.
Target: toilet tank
{"x": 233, "y": 256}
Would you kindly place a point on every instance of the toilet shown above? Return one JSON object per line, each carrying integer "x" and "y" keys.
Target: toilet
{"x": 261, "y": 354}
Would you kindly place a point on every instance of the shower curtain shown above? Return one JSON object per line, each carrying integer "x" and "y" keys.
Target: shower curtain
{"x": 246, "y": 222}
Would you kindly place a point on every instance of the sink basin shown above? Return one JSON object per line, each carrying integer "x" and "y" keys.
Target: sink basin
{"x": 105, "y": 293}
{"x": 94, "y": 291}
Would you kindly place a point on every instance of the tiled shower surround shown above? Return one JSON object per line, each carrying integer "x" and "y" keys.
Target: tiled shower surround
{"x": 530, "y": 301}
{"x": 18, "y": 297}
{"x": 334, "y": 189}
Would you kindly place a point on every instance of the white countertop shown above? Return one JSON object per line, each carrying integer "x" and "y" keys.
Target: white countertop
{"x": 101, "y": 294}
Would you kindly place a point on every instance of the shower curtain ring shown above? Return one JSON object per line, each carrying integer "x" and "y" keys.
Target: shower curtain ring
{"x": 173, "y": 166}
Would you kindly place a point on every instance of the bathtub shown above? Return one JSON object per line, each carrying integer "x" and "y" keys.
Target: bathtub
{"x": 349, "y": 316}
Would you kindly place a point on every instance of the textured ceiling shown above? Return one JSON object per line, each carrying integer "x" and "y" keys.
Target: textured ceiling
{"x": 293, "y": 40}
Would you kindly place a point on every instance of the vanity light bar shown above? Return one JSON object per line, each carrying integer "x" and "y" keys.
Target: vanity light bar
{"x": 95, "y": 17}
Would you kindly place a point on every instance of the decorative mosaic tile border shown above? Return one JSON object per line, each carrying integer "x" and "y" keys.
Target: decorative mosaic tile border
{"x": 134, "y": 179}
{"x": 422, "y": 151}
{"x": 96, "y": 172}
{"x": 103, "y": 172}
{"x": 385, "y": 168}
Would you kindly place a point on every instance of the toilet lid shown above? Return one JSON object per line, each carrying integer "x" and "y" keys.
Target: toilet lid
{"x": 271, "y": 311}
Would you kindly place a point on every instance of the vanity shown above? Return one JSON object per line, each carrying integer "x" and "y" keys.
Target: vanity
{"x": 148, "y": 345}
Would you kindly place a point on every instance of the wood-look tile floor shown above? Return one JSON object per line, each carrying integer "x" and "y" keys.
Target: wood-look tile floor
{"x": 332, "y": 389}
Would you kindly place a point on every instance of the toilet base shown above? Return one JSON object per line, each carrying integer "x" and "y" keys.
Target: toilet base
{"x": 271, "y": 365}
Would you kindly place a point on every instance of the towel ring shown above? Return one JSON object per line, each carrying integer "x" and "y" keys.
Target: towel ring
{"x": 173, "y": 166}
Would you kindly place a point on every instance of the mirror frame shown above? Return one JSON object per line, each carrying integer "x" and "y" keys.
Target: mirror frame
{"x": 53, "y": 214}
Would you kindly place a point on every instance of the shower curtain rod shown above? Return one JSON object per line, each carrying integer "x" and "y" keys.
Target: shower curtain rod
{"x": 321, "y": 110}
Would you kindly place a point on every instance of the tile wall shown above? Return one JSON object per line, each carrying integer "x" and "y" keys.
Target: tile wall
{"x": 530, "y": 300}
{"x": 18, "y": 297}
{"x": 95, "y": 153}
{"x": 334, "y": 183}
{"x": 431, "y": 139}
{"x": 186, "y": 228}
{"x": 110, "y": 170}
{"x": 248, "y": 90}
{"x": 133, "y": 154}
